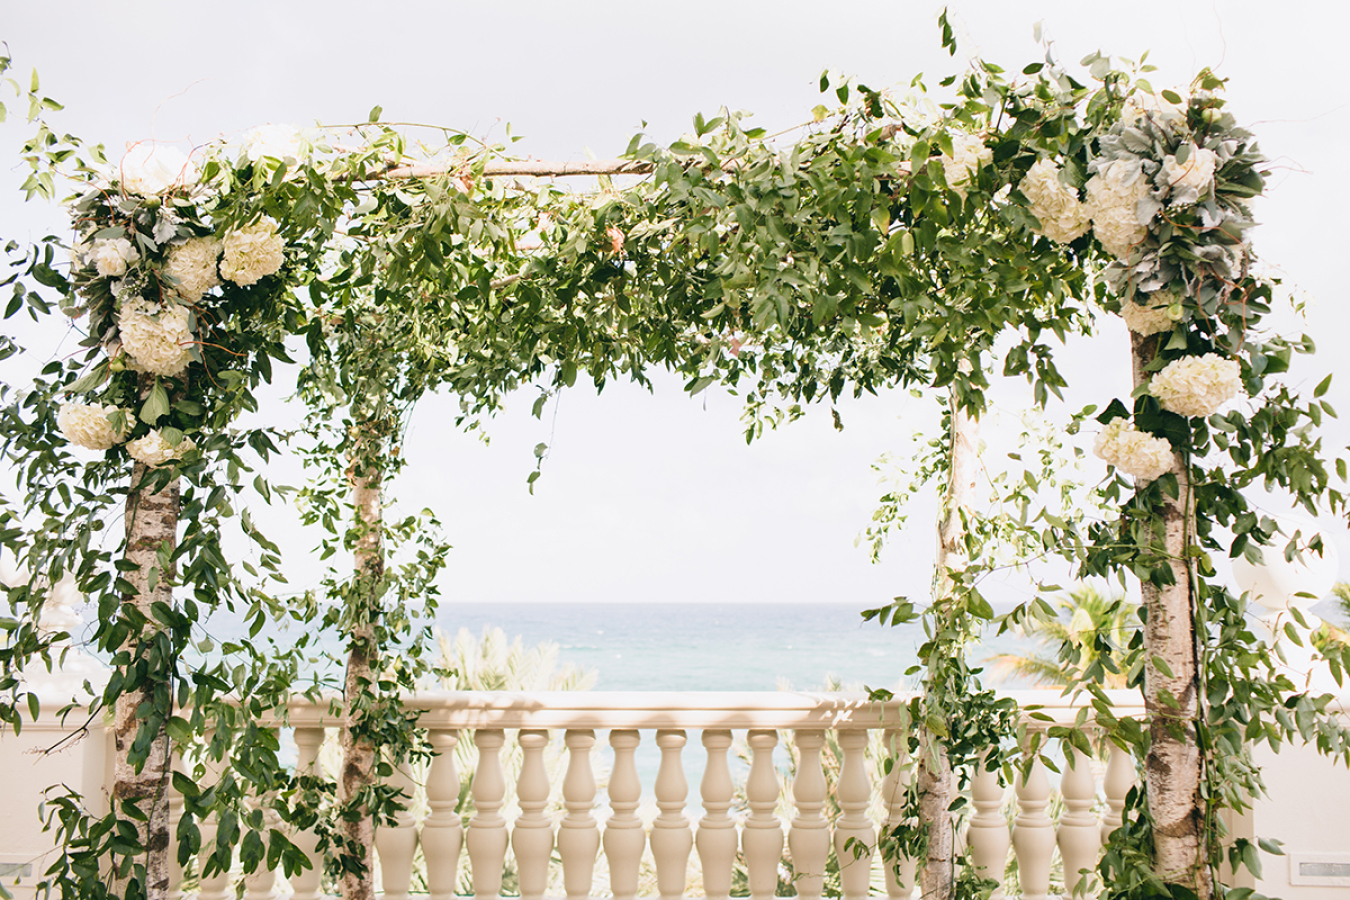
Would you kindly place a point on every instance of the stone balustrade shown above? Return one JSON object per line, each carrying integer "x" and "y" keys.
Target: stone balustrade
{"x": 554, "y": 834}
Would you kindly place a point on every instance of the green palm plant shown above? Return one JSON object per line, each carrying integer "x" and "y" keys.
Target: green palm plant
{"x": 1340, "y": 592}
{"x": 494, "y": 663}
{"x": 1089, "y": 636}
{"x": 1331, "y": 635}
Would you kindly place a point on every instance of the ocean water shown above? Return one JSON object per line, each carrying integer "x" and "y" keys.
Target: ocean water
{"x": 712, "y": 646}
{"x": 709, "y": 647}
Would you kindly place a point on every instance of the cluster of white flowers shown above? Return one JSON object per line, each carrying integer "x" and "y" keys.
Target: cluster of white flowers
{"x": 1197, "y": 385}
{"x": 1062, "y": 216}
{"x": 89, "y": 425}
{"x": 1190, "y": 180}
{"x": 112, "y": 256}
{"x": 192, "y": 266}
{"x": 1134, "y": 452}
{"x": 149, "y": 169}
{"x": 155, "y": 450}
{"x": 968, "y": 154}
{"x": 158, "y": 339}
{"x": 1114, "y": 197}
{"x": 1153, "y": 315}
{"x": 252, "y": 253}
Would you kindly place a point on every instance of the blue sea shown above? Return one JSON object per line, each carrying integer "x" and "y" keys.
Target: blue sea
{"x": 712, "y": 646}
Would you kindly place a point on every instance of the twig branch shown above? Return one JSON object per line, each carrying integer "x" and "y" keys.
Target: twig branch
{"x": 537, "y": 168}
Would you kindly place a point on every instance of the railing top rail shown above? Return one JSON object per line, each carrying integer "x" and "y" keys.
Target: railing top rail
{"x": 687, "y": 709}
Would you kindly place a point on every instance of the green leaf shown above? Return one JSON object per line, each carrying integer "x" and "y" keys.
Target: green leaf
{"x": 375, "y": 114}
{"x": 1171, "y": 97}
{"x": 1271, "y": 846}
{"x": 156, "y": 405}
{"x": 1114, "y": 410}
{"x": 91, "y": 379}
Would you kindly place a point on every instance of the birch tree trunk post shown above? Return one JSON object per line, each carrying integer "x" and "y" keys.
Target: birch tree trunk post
{"x": 934, "y": 777}
{"x": 1173, "y": 766}
{"x": 358, "y": 752}
{"x": 151, "y": 524}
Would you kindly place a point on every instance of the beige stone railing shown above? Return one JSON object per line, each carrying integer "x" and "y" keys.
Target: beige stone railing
{"x": 548, "y": 833}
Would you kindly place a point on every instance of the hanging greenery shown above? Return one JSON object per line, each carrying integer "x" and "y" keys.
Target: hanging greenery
{"x": 895, "y": 240}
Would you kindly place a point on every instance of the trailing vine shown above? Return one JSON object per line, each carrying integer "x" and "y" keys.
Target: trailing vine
{"x": 898, "y": 241}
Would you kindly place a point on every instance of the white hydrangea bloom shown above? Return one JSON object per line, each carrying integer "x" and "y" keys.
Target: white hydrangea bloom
{"x": 1139, "y": 104}
{"x": 1197, "y": 385}
{"x": 112, "y": 256}
{"x": 1113, "y": 198}
{"x": 252, "y": 253}
{"x": 275, "y": 141}
{"x": 1134, "y": 452}
{"x": 1151, "y": 316}
{"x": 149, "y": 169}
{"x": 193, "y": 267}
{"x": 79, "y": 253}
{"x": 968, "y": 154}
{"x": 154, "y": 450}
{"x": 158, "y": 339}
{"x": 89, "y": 425}
{"x": 1062, "y": 216}
{"x": 1191, "y": 180}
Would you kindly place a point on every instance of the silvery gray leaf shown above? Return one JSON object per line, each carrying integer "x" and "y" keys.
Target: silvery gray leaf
{"x": 1146, "y": 209}
{"x": 1135, "y": 140}
{"x": 165, "y": 228}
{"x": 1184, "y": 195}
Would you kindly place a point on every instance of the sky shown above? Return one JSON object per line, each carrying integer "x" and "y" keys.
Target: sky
{"x": 656, "y": 497}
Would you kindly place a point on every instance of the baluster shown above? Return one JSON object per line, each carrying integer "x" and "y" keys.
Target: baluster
{"x": 624, "y": 838}
{"x": 578, "y": 835}
{"x": 1117, "y": 783}
{"x": 443, "y": 831}
{"x": 716, "y": 838}
{"x": 854, "y": 837}
{"x": 1033, "y": 837}
{"x": 809, "y": 834}
{"x": 175, "y": 816}
{"x": 262, "y": 883}
{"x": 1080, "y": 835}
{"x": 762, "y": 839}
{"x": 894, "y": 788}
{"x": 217, "y": 886}
{"x": 988, "y": 837}
{"x": 532, "y": 838}
{"x": 672, "y": 838}
{"x": 306, "y": 885}
{"x": 487, "y": 829}
{"x": 396, "y": 844}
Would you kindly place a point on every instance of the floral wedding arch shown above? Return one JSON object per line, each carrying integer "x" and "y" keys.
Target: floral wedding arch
{"x": 891, "y": 243}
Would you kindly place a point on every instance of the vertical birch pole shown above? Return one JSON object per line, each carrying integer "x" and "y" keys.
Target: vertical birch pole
{"x": 358, "y": 753}
{"x": 151, "y": 533}
{"x": 934, "y": 777}
{"x": 1172, "y": 768}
